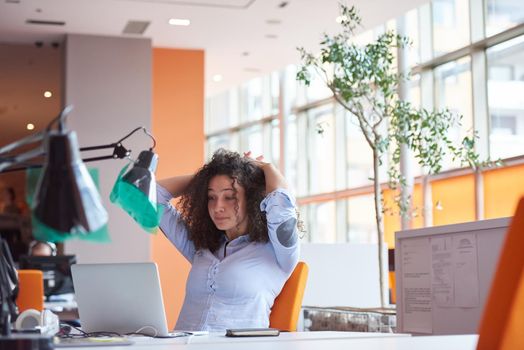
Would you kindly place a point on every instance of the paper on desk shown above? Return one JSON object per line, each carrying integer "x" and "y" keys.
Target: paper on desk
{"x": 416, "y": 287}
{"x": 442, "y": 277}
{"x": 466, "y": 270}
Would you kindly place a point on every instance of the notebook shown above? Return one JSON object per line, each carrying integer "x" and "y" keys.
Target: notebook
{"x": 122, "y": 298}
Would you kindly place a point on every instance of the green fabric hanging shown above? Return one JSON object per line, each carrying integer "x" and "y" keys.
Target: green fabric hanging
{"x": 43, "y": 232}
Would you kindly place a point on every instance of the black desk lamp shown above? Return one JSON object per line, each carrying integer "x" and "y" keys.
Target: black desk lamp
{"x": 66, "y": 203}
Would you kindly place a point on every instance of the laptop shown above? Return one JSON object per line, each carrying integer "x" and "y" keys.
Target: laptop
{"x": 122, "y": 298}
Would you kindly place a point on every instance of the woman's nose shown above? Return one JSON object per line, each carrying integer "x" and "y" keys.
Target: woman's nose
{"x": 219, "y": 206}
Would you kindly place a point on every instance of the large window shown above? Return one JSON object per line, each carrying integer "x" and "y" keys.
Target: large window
{"x": 222, "y": 111}
{"x": 256, "y": 98}
{"x": 325, "y": 157}
{"x": 321, "y": 149}
{"x": 450, "y": 25}
{"x": 453, "y": 91}
{"x": 503, "y": 14}
{"x": 359, "y": 155}
{"x": 320, "y": 222}
{"x": 506, "y": 98}
{"x": 361, "y": 220}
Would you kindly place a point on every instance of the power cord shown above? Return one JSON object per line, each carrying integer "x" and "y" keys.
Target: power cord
{"x": 65, "y": 332}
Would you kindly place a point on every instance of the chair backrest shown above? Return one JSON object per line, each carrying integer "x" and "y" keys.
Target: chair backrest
{"x": 503, "y": 319}
{"x": 31, "y": 290}
{"x": 286, "y": 308}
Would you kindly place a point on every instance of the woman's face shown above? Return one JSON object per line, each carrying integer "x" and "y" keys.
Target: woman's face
{"x": 226, "y": 203}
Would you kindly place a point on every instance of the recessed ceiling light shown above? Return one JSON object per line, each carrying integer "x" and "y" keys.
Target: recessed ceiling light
{"x": 217, "y": 78}
{"x": 48, "y": 94}
{"x": 339, "y": 19}
{"x": 179, "y": 22}
{"x": 30, "y": 126}
{"x": 245, "y": 53}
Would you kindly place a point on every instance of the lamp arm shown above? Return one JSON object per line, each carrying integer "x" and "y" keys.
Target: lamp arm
{"x": 21, "y": 158}
{"x": 25, "y": 141}
{"x": 92, "y": 148}
{"x": 119, "y": 152}
{"x": 92, "y": 159}
{"x": 135, "y": 130}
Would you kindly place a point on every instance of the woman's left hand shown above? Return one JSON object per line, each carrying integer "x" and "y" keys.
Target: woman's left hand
{"x": 274, "y": 178}
{"x": 258, "y": 161}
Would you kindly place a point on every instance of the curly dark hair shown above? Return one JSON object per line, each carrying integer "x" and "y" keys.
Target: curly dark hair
{"x": 193, "y": 202}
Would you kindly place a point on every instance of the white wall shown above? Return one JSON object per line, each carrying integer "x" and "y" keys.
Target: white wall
{"x": 341, "y": 275}
{"x": 108, "y": 80}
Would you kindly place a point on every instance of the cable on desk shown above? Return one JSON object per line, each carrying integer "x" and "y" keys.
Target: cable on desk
{"x": 65, "y": 332}
{"x": 145, "y": 327}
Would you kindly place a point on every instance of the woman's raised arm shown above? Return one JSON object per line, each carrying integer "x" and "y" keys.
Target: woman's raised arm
{"x": 176, "y": 185}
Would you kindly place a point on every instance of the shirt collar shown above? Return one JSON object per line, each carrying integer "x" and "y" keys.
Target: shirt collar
{"x": 240, "y": 239}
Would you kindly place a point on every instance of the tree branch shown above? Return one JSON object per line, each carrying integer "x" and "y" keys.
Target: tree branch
{"x": 362, "y": 120}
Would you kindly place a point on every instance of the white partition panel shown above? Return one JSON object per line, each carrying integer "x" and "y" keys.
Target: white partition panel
{"x": 341, "y": 275}
{"x": 444, "y": 275}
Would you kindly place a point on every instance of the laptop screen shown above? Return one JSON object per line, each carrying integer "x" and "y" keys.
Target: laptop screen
{"x": 122, "y": 298}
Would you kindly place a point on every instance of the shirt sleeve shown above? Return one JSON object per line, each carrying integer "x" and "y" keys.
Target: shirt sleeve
{"x": 279, "y": 207}
{"x": 173, "y": 226}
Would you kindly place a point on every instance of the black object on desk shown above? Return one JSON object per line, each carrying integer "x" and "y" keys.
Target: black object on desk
{"x": 26, "y": 342}
{"x": 56, "y": 269}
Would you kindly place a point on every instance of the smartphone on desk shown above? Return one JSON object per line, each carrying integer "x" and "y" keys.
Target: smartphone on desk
{"x": 252, "y": 332}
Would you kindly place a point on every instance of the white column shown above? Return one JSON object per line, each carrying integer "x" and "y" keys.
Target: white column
{"x": 108, "y": 80}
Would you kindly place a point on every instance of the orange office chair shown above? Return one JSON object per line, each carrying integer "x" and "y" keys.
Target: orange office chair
{"x": 503, "y": 319}
{"x": 287, "y": 306}
{"x": 31, "y": 290}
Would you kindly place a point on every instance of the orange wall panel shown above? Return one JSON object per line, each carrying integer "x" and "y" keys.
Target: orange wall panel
{"x": 502, "y": 191}
{"x": 178, "y": 126}
{"x": 457, "y": 198}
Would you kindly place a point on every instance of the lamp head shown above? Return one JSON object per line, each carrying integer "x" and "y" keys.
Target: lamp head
{"x": 142, "y": 174}
{"x": 66, "y": 199}
{"x": 135, "y": 191}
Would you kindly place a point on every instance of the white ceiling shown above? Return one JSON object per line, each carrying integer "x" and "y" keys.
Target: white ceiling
{"x": 225, "y": 29}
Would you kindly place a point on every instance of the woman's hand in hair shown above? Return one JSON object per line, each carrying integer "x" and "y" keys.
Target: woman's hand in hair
{"x": 274, "y": 179}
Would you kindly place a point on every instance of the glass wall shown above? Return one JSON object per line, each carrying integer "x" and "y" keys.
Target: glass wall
{"x": 326, "y": 159}
{"x": 453, "y": 91}
{"x": 321, "y": 149}
{"x": 361, "y": 220}
{"x": 450, "y": 25}
{"x": 506, "y": 98}
{"x": 502, "y": 15}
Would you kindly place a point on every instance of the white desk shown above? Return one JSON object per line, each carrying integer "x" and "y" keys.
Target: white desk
{"x": 307, "y": 341}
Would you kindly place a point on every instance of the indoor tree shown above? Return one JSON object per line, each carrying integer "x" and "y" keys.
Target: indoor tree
{"x": 364, "y": 80}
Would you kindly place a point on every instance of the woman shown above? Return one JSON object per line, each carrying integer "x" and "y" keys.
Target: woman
{"x": 237, "y": 226}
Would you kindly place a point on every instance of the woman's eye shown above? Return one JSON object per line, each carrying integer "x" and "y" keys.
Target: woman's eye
{"x": 230, "y": 198}
{"x": 209, "y": 198}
